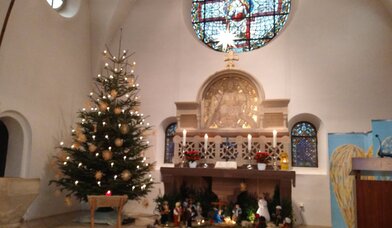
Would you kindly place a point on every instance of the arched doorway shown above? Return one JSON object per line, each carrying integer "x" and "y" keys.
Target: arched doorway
{"x": 17, "y": 159}
{"x": 3, "y": 147}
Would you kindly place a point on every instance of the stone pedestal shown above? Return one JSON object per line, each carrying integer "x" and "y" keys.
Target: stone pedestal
{"x": 16, "y": 195}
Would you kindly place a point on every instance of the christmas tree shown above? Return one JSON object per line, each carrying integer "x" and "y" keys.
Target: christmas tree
{"x": 107, "y": 152}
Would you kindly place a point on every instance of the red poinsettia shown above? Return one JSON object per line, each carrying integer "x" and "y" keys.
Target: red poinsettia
{"x": 261, "y": 157}
{"x": 192, "y": 155}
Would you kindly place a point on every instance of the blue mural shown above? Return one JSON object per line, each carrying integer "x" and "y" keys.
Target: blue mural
{"x": 342, "y": 147}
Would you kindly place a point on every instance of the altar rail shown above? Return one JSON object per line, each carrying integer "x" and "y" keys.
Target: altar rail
{"x": 228, "y": 148}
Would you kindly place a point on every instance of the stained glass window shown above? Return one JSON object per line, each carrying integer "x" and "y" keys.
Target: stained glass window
{"x": 304, "y": 145}
{"x": 169, "y": 144}
{"x": 56, "y": 4}
{"x": 251, "y": 24}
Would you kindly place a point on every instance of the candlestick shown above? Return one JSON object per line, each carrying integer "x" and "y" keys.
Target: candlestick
{"x": 205, "y": 150}
{"x": 249, "y": 142}
{"x": 274, "y": 134}
{"x": 183, "y": 137}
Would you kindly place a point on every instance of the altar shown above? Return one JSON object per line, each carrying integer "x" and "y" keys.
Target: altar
{"x": 225, "y": 182}
{"x": 231, "y": 121}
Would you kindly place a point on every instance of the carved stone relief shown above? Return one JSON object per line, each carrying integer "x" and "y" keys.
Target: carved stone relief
{"x": 230, "y": 102}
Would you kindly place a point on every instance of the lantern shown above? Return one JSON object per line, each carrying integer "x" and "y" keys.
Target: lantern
{"x": 284, "y": 161}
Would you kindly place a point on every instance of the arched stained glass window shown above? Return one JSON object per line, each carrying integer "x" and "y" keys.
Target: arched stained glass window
{"x": 170, "y": 132}
{"x": 243, "y": 25}
{"x": 304, "y": 145}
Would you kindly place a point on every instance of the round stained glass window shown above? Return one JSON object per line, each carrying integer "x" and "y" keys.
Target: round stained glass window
{"x": 238, "y": 25}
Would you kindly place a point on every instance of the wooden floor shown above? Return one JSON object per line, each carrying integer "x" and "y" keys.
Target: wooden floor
{"x": 66, "y": 221}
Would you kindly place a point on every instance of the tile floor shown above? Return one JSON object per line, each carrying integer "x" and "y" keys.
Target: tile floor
{"x": 66, "y": 221}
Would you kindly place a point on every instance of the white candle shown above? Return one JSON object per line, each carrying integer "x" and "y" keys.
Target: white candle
{"x": 183, "y": 137}
{"x": 249, "y": 142}
{"x": 205, "y": 142}
{"x": 274, "y": 133}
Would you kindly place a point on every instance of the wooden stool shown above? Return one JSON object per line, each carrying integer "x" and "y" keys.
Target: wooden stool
{"x": 96, "y": 201}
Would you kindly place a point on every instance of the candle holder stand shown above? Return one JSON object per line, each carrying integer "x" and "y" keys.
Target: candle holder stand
{"x": 275, "y": 156}
{"x": 205, "y": 165}
{"x": 182, "y": 164}
{"x": 249, "y": 166}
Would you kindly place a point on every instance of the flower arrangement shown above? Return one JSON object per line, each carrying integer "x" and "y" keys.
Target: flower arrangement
{"x": 261, "y": 157}
{"x": 192, "y": 155}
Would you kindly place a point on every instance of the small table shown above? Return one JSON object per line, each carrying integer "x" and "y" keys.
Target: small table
{"x": 96, "y": 201}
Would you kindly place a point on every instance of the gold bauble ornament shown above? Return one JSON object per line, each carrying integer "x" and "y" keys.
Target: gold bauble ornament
{"x": 118, "y": 142}
{"x": 68, "y": 201}
{"x": 92, "y": 148}
{"x": 98, "y": 175}
{"x": 76, "y": 145}
{"x": 117, "y": 111}
{"x": 58, "y": 176}
{"x": 88, "y": 104}
{"x": 126, "y": 175}
{"x": 62, "y": 156}
{"x": 103, "y": 106}
{"x": 81, "y": 138}
{"x": 78, "y": 129}
{"x": 124, "y": 129}
{"x": 57, "y": 192}
{"x": 131, "y": 79}
{"x": 145, "y": 202}
{"x": 113, "y": 93}
{"x": 53, "y": 164}
{"x": 107, "y": 155}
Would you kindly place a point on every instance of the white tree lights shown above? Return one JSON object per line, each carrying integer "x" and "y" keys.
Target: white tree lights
{"x": 108, "y": 143}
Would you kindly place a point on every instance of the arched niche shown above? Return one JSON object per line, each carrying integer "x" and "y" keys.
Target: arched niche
{"x": 232, "y": 102}
{"x": 19, "y": 144}
{"x": 230, "y": 99}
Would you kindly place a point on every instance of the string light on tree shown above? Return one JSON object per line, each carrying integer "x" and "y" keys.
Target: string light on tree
{"x": 113, "y": 134}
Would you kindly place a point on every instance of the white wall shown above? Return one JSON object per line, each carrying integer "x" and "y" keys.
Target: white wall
{"x": 45, "y": 76}
{"x": 333, "y": 60}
